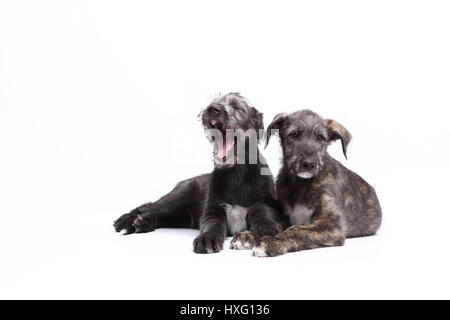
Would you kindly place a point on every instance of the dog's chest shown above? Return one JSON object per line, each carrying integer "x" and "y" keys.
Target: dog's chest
{"x": 300, "y": 214}
{"x": 236, "y": 218}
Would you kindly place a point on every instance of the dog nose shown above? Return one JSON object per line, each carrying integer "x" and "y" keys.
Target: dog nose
{"x": 213, "y": 109}
{"x": 308, "y": 164}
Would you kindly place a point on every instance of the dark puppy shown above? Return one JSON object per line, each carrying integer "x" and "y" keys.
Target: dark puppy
{"x": 238, "y": 195}
{"x": 326, "y": 202}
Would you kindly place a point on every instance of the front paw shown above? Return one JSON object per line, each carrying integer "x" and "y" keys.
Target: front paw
{"x": 147, "y": 224}
{"x": 270, "y": 246}
{"x": 208, "y": 242}
{"x": 125, "y": 222}
{"x": 243, "y": 241}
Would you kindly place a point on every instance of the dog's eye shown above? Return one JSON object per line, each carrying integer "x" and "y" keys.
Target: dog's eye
{"x": 295, "y": 135}
{"x": 321, "y": 137}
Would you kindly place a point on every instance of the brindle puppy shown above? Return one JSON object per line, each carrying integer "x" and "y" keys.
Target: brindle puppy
{"x": 235, "y": 197}
{"x": 326, "y": 202}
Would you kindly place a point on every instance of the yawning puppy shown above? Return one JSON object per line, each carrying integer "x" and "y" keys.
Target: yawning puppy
{"x": 326, "y": 202}
{"x": 238, "y": 195}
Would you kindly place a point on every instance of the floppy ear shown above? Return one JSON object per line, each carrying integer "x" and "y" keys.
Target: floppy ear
{"x": 258, "y": 119}
{"x": 338, "y": 131}
{"x": 258, "y": 123}
{"x": 276, "y": 124}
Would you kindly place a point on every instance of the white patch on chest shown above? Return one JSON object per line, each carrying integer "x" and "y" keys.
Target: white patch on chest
{"x": 300, "y": 215}
{"x": 236, "y": 218}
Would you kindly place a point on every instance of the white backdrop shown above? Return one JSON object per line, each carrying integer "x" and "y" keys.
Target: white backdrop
{"x": 98, "y": 114}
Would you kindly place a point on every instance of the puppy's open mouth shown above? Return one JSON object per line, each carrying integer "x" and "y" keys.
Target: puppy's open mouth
{"x": 223, "y": 145}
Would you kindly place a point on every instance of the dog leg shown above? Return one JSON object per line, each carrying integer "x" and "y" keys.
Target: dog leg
{"x": 213, "y": 229}
{"x": 325, "y": 231}
{"x": 261, "y": 219}
{"x": 174, "y": 210}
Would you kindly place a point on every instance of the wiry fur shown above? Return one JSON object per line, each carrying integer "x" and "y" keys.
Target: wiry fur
{"x": 332, "y": 203}
{"x": 204, "y": 201}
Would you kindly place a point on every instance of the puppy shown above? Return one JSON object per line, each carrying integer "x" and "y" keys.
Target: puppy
{"x": 326, "y": 203}
{"x": 238, "y": 195}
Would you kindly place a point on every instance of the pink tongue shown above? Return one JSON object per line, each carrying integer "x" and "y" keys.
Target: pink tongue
{"x": 224, "y": 148}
